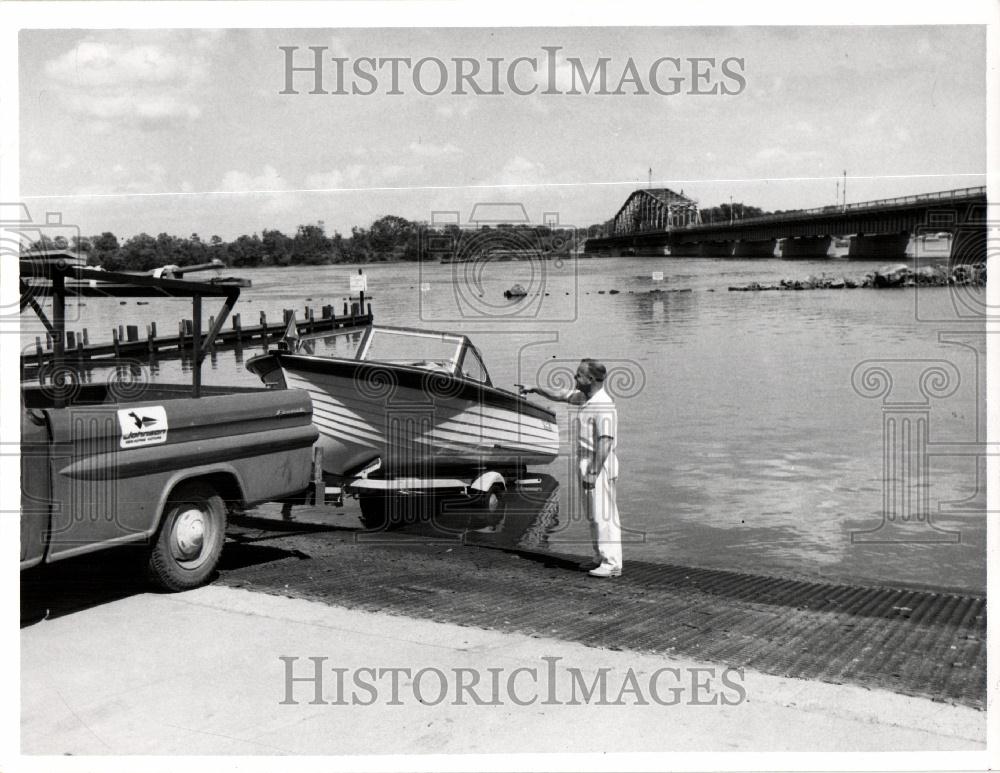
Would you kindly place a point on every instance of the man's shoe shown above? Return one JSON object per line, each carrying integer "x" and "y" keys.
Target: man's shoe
{"x": 606, "y": 570}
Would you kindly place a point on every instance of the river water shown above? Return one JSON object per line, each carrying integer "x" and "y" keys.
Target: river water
{"x": 758, "y": 431}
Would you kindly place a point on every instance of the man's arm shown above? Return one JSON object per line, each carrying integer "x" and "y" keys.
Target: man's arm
{"x": 601, "y": 451}
{"x": 603, "y": 443}
{"x": 573, "y": 396}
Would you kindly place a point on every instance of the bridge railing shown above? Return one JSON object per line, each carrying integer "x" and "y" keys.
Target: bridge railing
{"x": 834, "y": 209}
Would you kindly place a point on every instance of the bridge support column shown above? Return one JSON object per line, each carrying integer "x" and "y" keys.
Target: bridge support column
{"x": 806, "y": 247}
{"x": 882, "y": 247}
{"x": 761, "y": 249}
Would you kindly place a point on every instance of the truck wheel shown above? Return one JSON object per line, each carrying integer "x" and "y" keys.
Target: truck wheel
{"x": 190, "y": 539}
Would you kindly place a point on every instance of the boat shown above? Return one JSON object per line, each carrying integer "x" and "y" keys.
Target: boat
{"x": 409, "y": 402}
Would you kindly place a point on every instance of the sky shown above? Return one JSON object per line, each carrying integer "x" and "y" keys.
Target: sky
{"x": 186, "y": 131}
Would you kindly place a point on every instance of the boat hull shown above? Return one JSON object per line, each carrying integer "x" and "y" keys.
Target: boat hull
{"x": 417, "y": 422}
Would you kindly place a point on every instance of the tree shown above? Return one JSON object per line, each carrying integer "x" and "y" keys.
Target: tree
{"x": 245, "y": 251}
{"x": 310, "y": 245}
{"x": 139, "y": 253}
{"x": 393, "y": 238}
{"x": 104, "y": 251}
{"x": 277, "y": 247}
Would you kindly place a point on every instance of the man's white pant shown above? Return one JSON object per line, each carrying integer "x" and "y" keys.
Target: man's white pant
{"x": 601, "y": 506}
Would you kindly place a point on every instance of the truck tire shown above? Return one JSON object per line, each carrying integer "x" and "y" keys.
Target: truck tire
{"x": 189, "y": 543}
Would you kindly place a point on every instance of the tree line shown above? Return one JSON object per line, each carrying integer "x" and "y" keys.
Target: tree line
{"x": 390, "y": 238}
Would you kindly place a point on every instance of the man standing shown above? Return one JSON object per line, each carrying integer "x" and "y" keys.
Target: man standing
{"x": 596, "y": 430}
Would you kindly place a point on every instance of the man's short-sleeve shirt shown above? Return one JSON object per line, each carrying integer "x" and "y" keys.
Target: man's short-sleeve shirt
{"x": 596, "y": 418}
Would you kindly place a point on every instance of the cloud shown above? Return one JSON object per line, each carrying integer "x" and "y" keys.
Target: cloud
{"x": 775, "y": 158}
{"x": 521, "y": 171}
{"x": 461, "y": 109}
{"x": 93, "y": 64}
{"x": 245, "y": 182}
{"x": 143, "y": 85}
{"x": 149, "y": 111}
{"x": 430, "y": 150}
{"x": 360, "y": 176}
{"x": 274, "y": 197}
{"x": 122, "y": 178}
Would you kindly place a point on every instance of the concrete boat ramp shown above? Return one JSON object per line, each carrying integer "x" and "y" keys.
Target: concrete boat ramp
{"x": 752, "y": 662}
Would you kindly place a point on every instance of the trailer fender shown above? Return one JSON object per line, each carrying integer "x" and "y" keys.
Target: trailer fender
{"x": 487, "y": 481}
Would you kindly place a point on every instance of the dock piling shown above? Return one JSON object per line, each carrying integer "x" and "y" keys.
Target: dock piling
{"x": 132, "y": 341}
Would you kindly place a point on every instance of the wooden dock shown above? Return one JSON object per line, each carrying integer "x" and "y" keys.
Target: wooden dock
{"x": 126, "y": 340}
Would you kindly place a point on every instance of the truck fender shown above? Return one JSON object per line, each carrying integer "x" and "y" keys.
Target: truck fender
{"x": 486, "y": 481}
{"x": 223, "y": 477}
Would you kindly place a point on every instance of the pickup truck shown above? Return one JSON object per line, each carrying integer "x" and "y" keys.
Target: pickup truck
{"x": 162, "y": 471}
{"x": 160, "y": 465}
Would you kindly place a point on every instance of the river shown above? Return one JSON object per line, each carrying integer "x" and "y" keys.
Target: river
{"x": 753, "y": 426}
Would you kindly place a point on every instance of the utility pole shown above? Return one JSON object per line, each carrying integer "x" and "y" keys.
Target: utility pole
{"x": 837, "y": 199}
{"x": 845, "y": 190}
{"x": 730, "y": 209}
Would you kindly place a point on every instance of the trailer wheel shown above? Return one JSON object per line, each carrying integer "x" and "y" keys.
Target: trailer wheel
{"x": 491, "y": 501}
{"x": 374, "y": 511}
{"x": 190, "y": 539}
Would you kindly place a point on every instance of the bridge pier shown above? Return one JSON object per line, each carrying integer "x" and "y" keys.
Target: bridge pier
{"x": 759, "y": 249}
{"x": 806, "y": 247}
{"x": 883, "y": 247}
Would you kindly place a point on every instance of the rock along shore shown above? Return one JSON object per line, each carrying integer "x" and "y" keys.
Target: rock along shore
{"x": 896, "y": 275}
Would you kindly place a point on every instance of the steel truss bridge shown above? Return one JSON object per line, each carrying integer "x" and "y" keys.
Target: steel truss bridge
{"x": 662, "y": 222}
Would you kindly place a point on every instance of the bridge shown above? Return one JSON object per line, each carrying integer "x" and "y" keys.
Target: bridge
{"x": 659, "y": 221}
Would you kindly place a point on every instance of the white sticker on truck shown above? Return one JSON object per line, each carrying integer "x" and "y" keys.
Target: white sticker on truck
{"x": 143, "y": 426}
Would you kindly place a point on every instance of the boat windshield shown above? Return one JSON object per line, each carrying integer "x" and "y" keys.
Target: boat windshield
{"x": 434, "y": 351}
